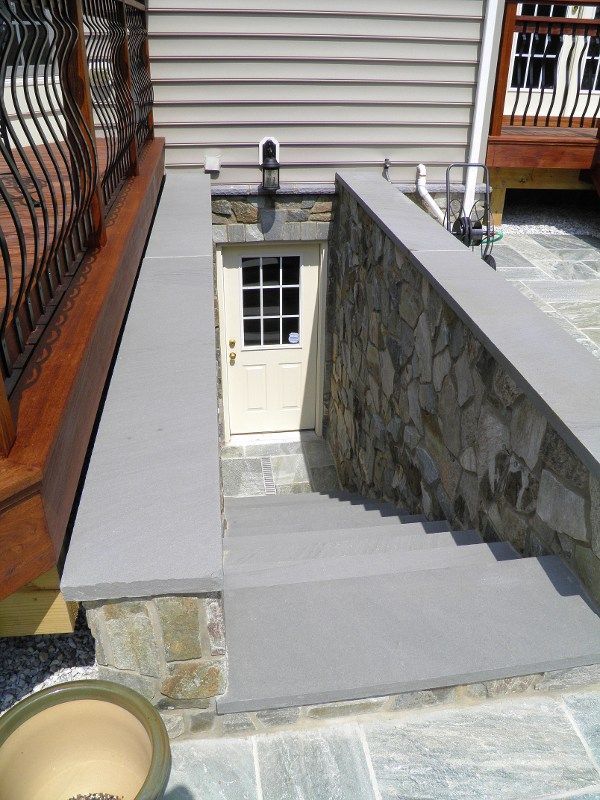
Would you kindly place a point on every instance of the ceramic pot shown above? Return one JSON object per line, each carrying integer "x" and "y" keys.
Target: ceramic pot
{"x": 83, "y": 737}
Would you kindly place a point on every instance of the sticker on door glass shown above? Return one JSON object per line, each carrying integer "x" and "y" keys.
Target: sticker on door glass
{"x": 294, "y": 337}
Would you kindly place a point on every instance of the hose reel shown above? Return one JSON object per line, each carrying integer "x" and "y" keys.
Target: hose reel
{"x": 475, "y": 229}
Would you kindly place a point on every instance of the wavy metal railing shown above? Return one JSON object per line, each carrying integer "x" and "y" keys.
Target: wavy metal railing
{"x": 141, "y": 82}
{"x": 75, "y": 109}
{"x": 550, "y": 68}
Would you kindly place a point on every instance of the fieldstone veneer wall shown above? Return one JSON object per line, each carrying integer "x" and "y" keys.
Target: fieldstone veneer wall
{"x": 451, "y": 394}
{"x": 271, "y": 217}
{"x": 170, "y": 649}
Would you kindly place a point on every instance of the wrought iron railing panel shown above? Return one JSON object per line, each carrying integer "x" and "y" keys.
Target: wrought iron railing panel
{"x": 47, "y": 168}
{"x": 553, "y": 65}
{"x": 141, "y": 82}
{"x": 75, "y": 108}
{"x": 106, "y": 40}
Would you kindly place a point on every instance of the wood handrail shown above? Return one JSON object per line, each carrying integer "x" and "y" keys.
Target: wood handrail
{"x": 557, "y": 25}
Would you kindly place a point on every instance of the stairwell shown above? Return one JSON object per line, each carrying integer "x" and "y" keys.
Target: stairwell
{"x": 332, "y": 597}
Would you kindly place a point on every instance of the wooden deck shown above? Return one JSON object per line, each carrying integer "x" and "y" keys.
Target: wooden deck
{"x": 543, "y": 147}
{"x": 56, "y": 399}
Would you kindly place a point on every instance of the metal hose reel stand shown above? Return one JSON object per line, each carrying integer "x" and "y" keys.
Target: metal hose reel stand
{"x": 475, "y": 229}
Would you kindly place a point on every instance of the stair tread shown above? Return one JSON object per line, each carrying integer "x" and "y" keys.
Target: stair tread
{"x": 339, "y": 499}
{"x": 333, "y": 640}
{"x": 355, "y": 565}
{"x": 243, "y": 552}
{"x": 241, "y": 522}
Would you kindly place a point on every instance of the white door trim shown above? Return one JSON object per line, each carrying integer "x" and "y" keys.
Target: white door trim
{"x": 322, "y": 295}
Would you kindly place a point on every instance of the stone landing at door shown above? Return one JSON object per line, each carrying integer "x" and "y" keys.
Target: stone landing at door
{"x": 297, "y": 462}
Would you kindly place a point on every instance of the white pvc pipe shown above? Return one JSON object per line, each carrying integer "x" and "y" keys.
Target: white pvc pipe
{"x": 421, "y": 183}
{"x": 486, "y": 67}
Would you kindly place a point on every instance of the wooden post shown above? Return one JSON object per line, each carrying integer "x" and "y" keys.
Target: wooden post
{"x": 125, "y": 63}
{"x": 508, "y": 29}
{"x": 8, "y": 432}
{"x": 79, "y": 84}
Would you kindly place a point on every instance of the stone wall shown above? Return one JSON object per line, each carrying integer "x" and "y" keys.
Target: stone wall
{"x": 419, "y": 412}
{"x": 170, "y": 649}
{"x": 271, "y": 217}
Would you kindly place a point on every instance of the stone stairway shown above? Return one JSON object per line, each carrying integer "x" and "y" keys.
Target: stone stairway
{"x": 334, "y": 597}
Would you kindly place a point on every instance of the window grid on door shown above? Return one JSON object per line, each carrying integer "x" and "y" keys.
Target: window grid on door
{"x": 536, "y": 55}
{"x": 271, "y": 301}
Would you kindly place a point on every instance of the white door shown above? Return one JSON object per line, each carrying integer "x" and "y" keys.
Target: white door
{"x": 270, "y": 298}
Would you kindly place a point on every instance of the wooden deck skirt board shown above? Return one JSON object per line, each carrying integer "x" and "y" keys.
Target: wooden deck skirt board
{"x": 554, "y": 148}
{"x": 56, "y": 400}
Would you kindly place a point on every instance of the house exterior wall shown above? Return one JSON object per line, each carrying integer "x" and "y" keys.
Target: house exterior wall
{"x": 341, "y": 84}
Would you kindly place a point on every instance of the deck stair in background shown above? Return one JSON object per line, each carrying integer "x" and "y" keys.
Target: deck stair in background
{"x": 333, "y": 597}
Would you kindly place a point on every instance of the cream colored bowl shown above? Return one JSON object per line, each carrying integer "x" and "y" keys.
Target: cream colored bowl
{"x": 81, "y": 738}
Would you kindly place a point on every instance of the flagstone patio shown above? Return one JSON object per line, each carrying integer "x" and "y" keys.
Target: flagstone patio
{"x": 561, "y": 275}
{"x": 531, "y": 748}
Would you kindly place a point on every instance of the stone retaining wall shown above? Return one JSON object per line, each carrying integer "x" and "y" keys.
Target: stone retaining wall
{"x": 170, "y": 649}
{"x": 266, "y": 217}
{"x": 419, "y": 412}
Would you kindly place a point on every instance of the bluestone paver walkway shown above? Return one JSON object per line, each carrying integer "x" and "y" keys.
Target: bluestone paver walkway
{"x": 560, "y": 273}
{"x": 527, "y": 748}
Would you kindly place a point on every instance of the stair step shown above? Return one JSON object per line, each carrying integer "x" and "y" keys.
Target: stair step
{"x": 324, "y": 641}
{"x": 290, "y": 519}
{"x": 261, "y": 550}
{"x": 332, "y": 499}
{"x": 361, "y": 565}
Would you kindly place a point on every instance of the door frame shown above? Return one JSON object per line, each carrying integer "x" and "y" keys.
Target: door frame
{"x": 321, "y": 302}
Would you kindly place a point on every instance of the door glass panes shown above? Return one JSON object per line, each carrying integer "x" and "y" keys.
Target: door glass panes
{"x": 536, "y": 54}
{"x": 271, "y": 301}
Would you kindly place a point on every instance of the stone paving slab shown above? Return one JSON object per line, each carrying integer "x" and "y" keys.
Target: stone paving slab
{"x": 584, "y": 708}
{"x": 218, "y": 769}
{"x": 560, "y": 274}
{"x": 298, "y": 467}
{"x": 567, "y": 291}
{"x": 529, "y": 748}
{"x": 520, "y": 749}
{"x": 325, "y": 764}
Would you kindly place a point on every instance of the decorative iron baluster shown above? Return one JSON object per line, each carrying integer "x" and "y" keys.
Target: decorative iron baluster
{"x": 531, "y": 71}
{"x": 566, "y": 86}
{"x": 67, "y": 69}
{"x": 112, "y": 99}
{"x": 555, "y": 81}
{"x": 583, "y": 51}
{"x": 47, "y": 166}
{"x": 518, "y": 76}
{"x": 140, "y": 73}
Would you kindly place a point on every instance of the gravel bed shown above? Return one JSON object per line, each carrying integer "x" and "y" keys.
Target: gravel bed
{"x": 31, "y": 663}
{"x": 530, "y": 211}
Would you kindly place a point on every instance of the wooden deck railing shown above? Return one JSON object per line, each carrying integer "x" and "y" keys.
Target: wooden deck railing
{"x": 548, "y": 71}
{"x": 75, "y": 113}
{"x": 546, "y": 107}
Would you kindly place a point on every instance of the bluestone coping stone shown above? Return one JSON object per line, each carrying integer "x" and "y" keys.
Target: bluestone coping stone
{"x": 560, "y": 377}
{"x": 149, "y": 519}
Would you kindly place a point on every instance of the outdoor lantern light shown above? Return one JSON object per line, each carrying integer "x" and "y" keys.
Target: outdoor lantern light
{"x": 268, "y": 153}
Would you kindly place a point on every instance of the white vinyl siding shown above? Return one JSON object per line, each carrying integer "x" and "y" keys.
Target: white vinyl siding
{"x": 336, "y": 84}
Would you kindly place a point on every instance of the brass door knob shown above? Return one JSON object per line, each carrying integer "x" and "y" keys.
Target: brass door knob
{"x": 232, "y": 357}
